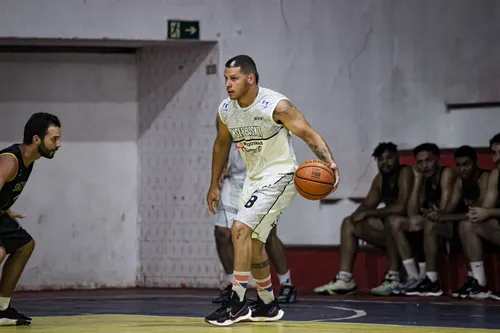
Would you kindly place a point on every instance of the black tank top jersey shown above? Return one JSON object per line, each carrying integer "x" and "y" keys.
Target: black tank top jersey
{"x": 433, "y": 194}
{"x": 13, "y": 188}
{"x": 470, "y": 193}
{"x": 390, "y": 192}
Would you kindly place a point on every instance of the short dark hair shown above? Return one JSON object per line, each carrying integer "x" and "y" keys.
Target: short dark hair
{"x": 495, "y": 139}
{"x": 38, "y": 124}
{"x": 382, "y": 147}
{"x": 466, "y": 151}
{"x": 246, "y": 64}
{"x": 428, "y": 146}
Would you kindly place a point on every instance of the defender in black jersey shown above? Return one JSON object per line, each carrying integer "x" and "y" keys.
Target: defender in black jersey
{"x": 392, "y": 187}
{"x": 483, "y": 223}
{"x": 469, "y": 190}
{"x": 431, "y": 191}
{"x": 42, "y": 135}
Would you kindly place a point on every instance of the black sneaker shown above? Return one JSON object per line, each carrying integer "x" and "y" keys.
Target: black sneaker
{"x": 477, "y": 291}
{"x": 232, "y": 311}
{"x": 425, "y": 288}
{"x": 252, "y": 304}
{"x": 266, "y": 312}
{"x": 288, "y": 294}
{"x": 10, "y": 317}
{"x": 223, "y": 295}
{"x": 495, "y": 295}
{"x": 465, "y": 289}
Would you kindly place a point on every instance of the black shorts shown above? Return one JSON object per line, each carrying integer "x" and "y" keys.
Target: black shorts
{"x": 12, "y": 235}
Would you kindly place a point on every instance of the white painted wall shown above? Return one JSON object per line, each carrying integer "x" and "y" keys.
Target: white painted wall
{"x": 176, "y": 133}
{"x": 361, "y": 71}
{"x": 81, "y": 207}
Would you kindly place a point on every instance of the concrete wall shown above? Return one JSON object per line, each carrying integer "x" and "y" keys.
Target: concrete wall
{"x": 361, "y": 72}
{"x": 81, "y": 206}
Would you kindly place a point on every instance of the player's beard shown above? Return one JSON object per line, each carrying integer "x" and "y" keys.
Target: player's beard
{"x": 244, "y": 90}
{"x": 45, "y": 152}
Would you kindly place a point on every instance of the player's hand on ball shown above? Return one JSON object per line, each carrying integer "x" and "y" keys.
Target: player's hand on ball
{"x": 336, "y": 172}
{"x": 213, "y": 198}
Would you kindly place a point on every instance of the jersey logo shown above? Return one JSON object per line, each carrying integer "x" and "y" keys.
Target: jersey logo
{"x": 258, "y": 118}
{"x": 265, "y": 104}
{"x": 19, "y": 186}
{"x": 246, "y": 132}
{"x": 240, "y": 145}
{"x": 225, "y": 106}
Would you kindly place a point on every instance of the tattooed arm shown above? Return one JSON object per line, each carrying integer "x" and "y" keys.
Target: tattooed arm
{"x": 287, "y": 114}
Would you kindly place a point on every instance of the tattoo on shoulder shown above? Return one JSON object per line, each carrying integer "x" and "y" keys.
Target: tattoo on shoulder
{"x": 284, "y": 108}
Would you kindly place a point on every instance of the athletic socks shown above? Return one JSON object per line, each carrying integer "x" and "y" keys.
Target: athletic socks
{"x": 240, "y": 283}
{"x": 265, "y": 289}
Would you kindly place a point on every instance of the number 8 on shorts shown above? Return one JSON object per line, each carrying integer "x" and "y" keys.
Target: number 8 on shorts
{"x": 262, "y": 202}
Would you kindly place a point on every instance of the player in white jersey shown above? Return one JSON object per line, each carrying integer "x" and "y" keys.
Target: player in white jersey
{"x": 231, "y": 186}
{"x": 260, "y": 121}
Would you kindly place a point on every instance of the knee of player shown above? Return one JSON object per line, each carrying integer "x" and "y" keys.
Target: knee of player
{"x": 239, "y": 230}
{"x": 395, "y": 222}
{"x": 467, "y": 227}
{"x": 388, "y": 220}
{"x": 222, "y": 234}
{"x": 348, "y": 224}
{"x": 417, "y": 222}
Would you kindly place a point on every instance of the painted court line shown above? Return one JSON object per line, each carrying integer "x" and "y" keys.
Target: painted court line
{"x": 357, "y": 314}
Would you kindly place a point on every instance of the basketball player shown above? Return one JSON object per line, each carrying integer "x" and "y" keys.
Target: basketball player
{"x": 431, "y": 191}
{"x": 483, "y": 223}
{"x": 259, "y": 120}
{"x": 469, "y": 190}
{"x": 392, "y": 186}
{"x": 42, "y": 135}
{"x": 231, "y": 186}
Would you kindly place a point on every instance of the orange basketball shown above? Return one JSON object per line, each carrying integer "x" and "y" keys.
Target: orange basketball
{"x": 314, "y": 180}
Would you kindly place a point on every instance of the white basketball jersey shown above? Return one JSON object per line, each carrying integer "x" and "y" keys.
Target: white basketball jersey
{"x": 265, "y": 146}
{"x": 236, "y": 167}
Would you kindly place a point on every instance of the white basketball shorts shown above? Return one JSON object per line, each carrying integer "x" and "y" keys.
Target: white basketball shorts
{"x": 228, "y": 203}
{"x": 262, "y": 202}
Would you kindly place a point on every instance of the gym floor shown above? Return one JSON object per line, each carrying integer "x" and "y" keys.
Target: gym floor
{"x": 160, "y": 310}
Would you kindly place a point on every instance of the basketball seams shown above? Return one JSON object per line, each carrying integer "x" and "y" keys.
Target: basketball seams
{"x": 321, "y": 166}
{"x": 309, "y": 182}
{"x": 317, "y": 194}
{"x": 311, "y": 196}
{"x": 314, "y": 181}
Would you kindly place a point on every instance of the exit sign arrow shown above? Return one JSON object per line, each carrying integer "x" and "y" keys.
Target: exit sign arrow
{"x": 183, "y": 29}
{"x": 192, "y": 30}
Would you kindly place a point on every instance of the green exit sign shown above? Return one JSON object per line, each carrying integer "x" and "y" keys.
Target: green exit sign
{"x": 183, "y": 29}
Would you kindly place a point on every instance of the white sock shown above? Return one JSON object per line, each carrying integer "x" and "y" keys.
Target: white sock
{"x": 285, "y": 279}
{"x": 345, "y": 276}
{"x": 478, "y": 272}
{"x": 469, "y": 274}
{"x": 240, "y": 283}
{"x": 433, "y": 276}
{"x": 265, "y": 289}
{"x": 229, "y": 278}
{"x": 411, "y": 268}
{"x": 422, "y": 269}
{"x": 4, "y": 303}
